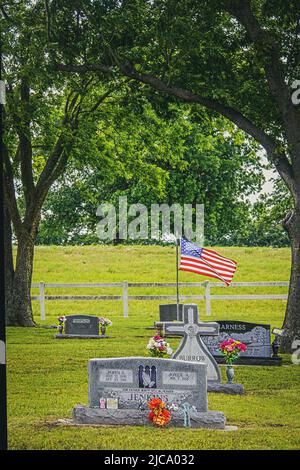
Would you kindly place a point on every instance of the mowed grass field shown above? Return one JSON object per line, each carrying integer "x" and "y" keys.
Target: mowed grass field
{"x": 47, "y": 377}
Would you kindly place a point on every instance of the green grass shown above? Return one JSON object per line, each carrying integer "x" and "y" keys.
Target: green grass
{"x": 46, "y": 378}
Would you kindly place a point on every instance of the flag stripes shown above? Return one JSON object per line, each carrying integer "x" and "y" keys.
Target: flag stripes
{"x": 206, "y": 262}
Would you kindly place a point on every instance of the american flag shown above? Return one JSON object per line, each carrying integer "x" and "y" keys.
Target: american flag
{"x": 206, "y": 262}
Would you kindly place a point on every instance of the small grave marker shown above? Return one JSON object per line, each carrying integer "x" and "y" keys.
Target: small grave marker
{"x": 81, "y": 327}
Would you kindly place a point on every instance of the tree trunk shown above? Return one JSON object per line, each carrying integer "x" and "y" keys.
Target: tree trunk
{"x": 19, "y": 308}
{"x": 9, "y": 264}
{"x": 291, "y": 322}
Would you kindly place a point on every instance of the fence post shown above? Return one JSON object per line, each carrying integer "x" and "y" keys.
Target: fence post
{"x": 125, "y": 299}
{"x": 42, "y": 301}
{"x": 207, "y": 299}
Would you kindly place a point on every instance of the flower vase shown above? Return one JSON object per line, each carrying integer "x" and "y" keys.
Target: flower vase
{"x": 229, "y": 373}
{"x": 60, "y": 329}
{"x": 103, "y": 329}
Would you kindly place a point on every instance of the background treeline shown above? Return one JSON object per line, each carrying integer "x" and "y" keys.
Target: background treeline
{"x": 153, "y": 152}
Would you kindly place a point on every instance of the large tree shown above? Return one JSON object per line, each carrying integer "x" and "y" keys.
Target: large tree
{"x": 238, "y": 58}
{"x": 47, "y": 121}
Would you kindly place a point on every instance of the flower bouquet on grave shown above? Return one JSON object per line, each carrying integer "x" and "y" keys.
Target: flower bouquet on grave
{"x": 230, "y": 350}
{"x": 158, "y": 347}
{"x": 159, "y": 414}
{"x": 61, "y": 321}
{"x": 104, "y": 322}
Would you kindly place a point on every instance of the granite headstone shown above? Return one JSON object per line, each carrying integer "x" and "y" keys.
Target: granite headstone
{"x": 191, "y": 347}
{"x": 168, "y": 312}
{"x": 257, "y": 338}
{"x": 81, "y": 327}
{"x": 133, "y": 381}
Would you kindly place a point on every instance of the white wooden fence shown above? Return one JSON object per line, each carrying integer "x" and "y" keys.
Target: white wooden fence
{"x": 126, "y": 285}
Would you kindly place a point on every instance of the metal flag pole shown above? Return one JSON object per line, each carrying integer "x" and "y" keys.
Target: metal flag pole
{"x": 3, "y": 406}
{"x": 177, "y": 278}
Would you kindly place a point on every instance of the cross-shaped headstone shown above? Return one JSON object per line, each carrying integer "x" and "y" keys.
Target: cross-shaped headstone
{"x": 191, "y": 347}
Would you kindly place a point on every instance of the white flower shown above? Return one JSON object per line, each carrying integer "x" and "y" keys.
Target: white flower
{"x": 169, "y": 351}
{"x": 174, "y": 407}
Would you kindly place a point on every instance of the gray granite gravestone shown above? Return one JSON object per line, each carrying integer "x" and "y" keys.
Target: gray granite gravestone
{"x": 134, "y": 381}
{"x": 256, "y": 336}
{"x": 81, "y": 327}
{"x": 168, "y": 312}
{"x": 191, "y": 347}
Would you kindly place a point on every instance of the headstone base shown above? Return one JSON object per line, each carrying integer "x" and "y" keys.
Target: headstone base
{"x": 81, "y": 336}
{"x": 132, "y": 417}
{"x": 253, "y": 361}
{"x": 230, "y": 389}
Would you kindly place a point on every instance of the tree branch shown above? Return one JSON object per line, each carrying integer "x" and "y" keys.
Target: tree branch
{"x": 266, "y": 46}
{"x": 10, "y": 194}
{"x": 2, "y": 9}
{"x": 48, "y": 20}
{"x": 268, "y": 49}
{"x": 25, "y": 148}
{"x": 45, "y": 179}
{"x": 83, "y": 68}
{"x": 235, "y": 116}
{"x": 280, "y": 160}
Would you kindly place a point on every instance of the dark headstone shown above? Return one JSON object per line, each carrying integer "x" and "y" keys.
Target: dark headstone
{"x": 168, "y": 312}
{"x": 82, "y": 325}
{"x": 257, "y": 338}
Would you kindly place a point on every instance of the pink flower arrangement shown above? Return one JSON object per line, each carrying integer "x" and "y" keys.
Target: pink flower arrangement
{"x": 157, "y": 347}
{"x": 231, "y": 349}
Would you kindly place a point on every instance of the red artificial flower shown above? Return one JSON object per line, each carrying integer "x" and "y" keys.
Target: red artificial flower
{"x": 159, "y": 415}
{"x": 155, "y": 402}
{"x": 161, "y": 420}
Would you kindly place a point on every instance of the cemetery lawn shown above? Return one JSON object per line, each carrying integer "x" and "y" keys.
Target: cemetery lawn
{"x": 47, "y": 377}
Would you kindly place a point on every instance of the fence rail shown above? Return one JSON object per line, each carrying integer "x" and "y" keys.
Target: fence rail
{"x": 125, "y": 297}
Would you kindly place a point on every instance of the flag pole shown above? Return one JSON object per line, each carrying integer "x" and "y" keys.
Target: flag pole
{"x": 177, "y": 278}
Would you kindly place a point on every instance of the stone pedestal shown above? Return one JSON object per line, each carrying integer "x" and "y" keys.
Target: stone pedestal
{"x": 81, "y": 336}
{"x": 133, "y": 417}
{"x": 230, "y": 389}
{"x": 253, "y": 361}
